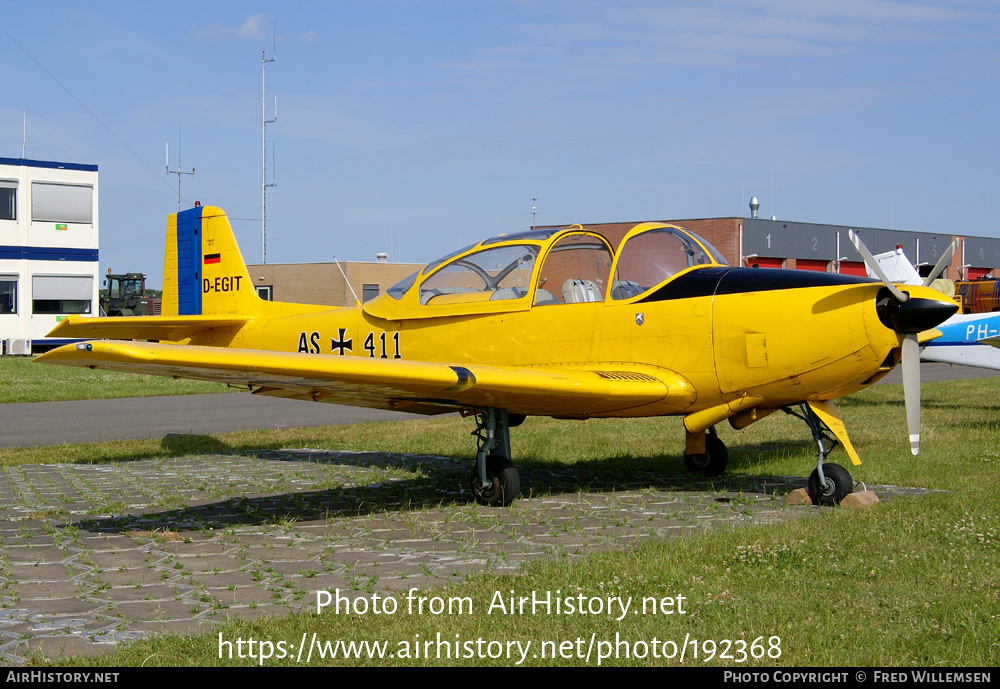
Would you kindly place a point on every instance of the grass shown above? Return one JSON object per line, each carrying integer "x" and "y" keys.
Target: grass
{"x": 911, "y": 582}
{"x": 23, "y": 381}
{"x": 884, "y": 587}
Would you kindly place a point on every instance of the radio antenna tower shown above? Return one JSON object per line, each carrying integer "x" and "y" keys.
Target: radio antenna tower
{"x": 263, "y": 151}
{"x": 178, "y": 171}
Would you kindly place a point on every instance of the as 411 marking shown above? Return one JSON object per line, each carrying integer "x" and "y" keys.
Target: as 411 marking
{"x": 309, "y": 343}
{"x": 370, "y": 345}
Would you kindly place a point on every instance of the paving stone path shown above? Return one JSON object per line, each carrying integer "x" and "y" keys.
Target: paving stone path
{"x": 92, "y": 555}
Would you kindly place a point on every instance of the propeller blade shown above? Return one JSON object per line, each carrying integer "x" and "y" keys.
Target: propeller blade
{"x": 911, "y": 389}
{"x": 942, "y": 262}
{"x": 876, "y": 268}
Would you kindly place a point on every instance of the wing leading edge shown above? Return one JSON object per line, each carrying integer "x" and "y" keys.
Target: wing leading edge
{"x": 421, "y": 387}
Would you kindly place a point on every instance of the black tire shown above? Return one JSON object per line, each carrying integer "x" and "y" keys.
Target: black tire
{"x": 713, "y": 462}
{"x": 839, "y": 485}
{"x": 506, "y": 483}
{"x": 515, "y": 420}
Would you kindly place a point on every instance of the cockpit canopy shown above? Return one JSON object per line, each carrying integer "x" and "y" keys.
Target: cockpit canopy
{"x": 648, "y": 258}
{"x": 545, "y": 268}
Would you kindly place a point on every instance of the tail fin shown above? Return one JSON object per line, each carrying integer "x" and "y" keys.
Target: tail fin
{"x": 207, "y": 293}
{"x": 203, "y": 270}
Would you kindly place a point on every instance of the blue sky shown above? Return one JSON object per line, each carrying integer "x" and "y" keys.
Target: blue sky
{"x": 416, "y": 127}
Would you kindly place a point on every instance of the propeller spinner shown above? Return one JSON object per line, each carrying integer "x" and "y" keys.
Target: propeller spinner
{"x": 909, "y": 316}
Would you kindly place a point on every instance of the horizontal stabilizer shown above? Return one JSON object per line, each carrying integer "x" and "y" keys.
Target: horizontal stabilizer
{"x": 142, "y": 327}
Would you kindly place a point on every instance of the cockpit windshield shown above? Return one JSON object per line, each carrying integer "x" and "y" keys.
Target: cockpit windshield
{"x": 403, "y": 286}
{"x": 475, "y": 266}
{"x": 649, "y": 258}
{"x": 716, "y": 256}
{"x": 503, "y": 272}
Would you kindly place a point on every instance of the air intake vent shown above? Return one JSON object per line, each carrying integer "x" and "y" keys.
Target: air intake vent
{"x": 626, "y": 375}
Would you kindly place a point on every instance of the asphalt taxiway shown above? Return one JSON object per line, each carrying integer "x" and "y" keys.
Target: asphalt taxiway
{"x": 90, "y": 421}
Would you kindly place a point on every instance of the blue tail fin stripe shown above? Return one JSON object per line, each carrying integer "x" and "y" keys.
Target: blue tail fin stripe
{"x": 189, "y": 262}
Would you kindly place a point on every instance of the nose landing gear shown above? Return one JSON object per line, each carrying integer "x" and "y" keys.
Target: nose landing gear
{"x": 828, "y": 483}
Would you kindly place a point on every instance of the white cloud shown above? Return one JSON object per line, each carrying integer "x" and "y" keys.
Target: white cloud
{"x": 252, "y": 27}
{"x": 720, "y": 33}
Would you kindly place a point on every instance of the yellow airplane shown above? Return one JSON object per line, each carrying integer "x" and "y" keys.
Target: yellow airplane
{"x": 548, "y": 322}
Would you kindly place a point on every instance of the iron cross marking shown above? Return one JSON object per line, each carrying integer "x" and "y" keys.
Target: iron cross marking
{"x": 341, "y": 344}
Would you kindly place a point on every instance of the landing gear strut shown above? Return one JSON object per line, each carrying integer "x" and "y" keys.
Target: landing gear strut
{"x": 828, "y": 483}
{"x": 494, "y": 481}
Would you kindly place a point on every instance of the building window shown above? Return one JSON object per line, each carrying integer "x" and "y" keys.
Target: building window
{"x": 62, "y": 203}
{"x": 368, "y": 292}
{"x": 60, "y": 306}
{"x": 8, "y": 199}
{"x": 8, "y": 294}
{"x": 265, "y": 292}
{"x": 61, "y": 294}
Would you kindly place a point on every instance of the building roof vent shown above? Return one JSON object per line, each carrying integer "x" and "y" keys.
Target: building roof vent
{"x": 381, "y": 257}
{"x": 754, "y": 206}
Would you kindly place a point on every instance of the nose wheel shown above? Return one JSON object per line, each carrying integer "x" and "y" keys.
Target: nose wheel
{"x": 832, "y": 486}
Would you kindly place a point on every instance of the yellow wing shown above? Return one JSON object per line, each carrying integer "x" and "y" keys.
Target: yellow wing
{"x": 143, "y": 327}
{"x": 413, "y": 386}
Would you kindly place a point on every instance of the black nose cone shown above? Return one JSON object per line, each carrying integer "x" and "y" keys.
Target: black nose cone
{"x": 915, "y": 315}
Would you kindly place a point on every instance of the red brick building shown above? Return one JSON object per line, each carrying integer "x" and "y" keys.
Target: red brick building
{"x": 813, "y": 246}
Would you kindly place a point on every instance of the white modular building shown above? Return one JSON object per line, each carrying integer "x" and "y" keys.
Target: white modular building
{"x": 48, "y": 249}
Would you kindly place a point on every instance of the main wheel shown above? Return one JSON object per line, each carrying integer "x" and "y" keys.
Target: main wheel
{"x": 713, "y": 462}
{"x": 506, "y": 483}
{"x": 838, "y": 486}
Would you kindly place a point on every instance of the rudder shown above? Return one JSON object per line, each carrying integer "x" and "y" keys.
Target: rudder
{"x": 203, "y": 270}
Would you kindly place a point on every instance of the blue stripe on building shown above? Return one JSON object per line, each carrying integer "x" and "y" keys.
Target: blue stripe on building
{"x": 48, "y": 164}
{"x": 189, "y": 262}
{"x": 47, "y": 253}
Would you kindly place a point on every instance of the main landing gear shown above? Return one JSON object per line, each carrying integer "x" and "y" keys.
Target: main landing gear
{"x": 828, "y": 483}
{"x": 705, "y": 454}
{"x": 494, "y": 481}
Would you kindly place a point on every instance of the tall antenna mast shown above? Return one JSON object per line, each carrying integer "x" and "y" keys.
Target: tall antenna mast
{"x": 178, "y": 171}
{"x": 263, "y": 151}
